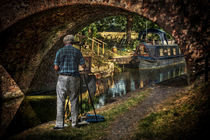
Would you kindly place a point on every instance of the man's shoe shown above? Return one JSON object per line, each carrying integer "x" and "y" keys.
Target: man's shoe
{"x": 74, "y": 126}
{"x": 57, "y": 128}
{"x": 66, "y": 125}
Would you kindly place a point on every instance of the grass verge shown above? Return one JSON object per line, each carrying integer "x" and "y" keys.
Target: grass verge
{"x": 91, "y": 131}
{"x": 185, "y": 116}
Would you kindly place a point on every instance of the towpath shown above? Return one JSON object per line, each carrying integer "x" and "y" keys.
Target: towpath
{"x": 124, "y": 126}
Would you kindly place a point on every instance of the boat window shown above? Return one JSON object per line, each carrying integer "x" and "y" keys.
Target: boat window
{"x": 165, "y": 52}
{"x": 161, "y": 52}
{"x": 171, "y": 42}
{"x": 169, "y": 51}
{"x": 180, "y": 51}
{"x": 165, "y": 43}
{"x": 152, "y": 38}
{"x": 174, "y": 51}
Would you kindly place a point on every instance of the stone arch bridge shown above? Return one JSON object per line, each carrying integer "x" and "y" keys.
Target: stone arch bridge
{"x": 31, "y": 31}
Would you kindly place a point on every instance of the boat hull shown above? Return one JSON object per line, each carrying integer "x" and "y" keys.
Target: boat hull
{"x": 148, "y": 63}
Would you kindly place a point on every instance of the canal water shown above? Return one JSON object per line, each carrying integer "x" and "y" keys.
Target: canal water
{"x": 37, "y": 109}
{"x": 132, "y": 79}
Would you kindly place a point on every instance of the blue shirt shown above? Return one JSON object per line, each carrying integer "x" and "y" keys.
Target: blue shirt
{"x": 68, "y": 59}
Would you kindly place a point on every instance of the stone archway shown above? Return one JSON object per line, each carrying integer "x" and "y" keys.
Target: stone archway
{"x": 31, "y": 29}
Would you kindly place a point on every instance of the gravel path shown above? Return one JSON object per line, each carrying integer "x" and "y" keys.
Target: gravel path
{"x": 126, "y": 124}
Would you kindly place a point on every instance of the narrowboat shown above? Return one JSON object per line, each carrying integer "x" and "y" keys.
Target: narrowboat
{"x": 155, "y": 51}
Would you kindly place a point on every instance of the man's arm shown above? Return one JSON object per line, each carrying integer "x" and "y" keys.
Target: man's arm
{"x": 56, "y": 62}
{"x": 82, "y": 61}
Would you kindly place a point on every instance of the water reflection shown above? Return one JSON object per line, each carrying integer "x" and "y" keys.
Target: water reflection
{"x": 118, "y": 89}
{"x": 8, "y": 111}
{"x": 19, "y": 114}
{"x": 132, "y": 79}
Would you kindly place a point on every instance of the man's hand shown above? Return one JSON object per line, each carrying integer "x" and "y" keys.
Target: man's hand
{"x": 84, "y": 66}
{"x": 56, "y": 68}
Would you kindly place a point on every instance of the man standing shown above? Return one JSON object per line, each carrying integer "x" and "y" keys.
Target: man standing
{"x": 66, "y": 63}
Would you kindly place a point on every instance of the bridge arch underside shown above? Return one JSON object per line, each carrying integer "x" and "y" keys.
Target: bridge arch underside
{"x": 31, "y": 37}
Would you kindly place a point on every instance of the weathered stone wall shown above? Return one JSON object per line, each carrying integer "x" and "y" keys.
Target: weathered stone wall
{"x": 31, "y": 28}
{"x": 9, "y": 89}
{"x": 45, "y": 77}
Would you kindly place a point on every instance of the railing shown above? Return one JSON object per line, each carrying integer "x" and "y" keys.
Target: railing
{"x": 93, "y": 42}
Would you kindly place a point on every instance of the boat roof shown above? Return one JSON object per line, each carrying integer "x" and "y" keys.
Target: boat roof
{"x": 153, "y": 30}
{"x": 161, "y": 34}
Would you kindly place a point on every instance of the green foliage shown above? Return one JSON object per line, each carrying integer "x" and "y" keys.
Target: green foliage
{"x": 112, "y": 23}
{"x": 118, "y": 24}
{"x": 135, "y": 44}
{"x": 90, "y": 31}
{"x": 141, "y": 23}
{"x": 184, "y": 117}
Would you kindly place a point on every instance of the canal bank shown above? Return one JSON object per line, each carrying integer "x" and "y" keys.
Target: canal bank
{"x": 121, "y": 116}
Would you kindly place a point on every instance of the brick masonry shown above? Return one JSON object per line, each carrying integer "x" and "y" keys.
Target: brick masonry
{"x": 9, "y": 89}
{"x": 31, "y": 31}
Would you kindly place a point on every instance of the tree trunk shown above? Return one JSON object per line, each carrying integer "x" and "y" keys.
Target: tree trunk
{"x": 129, "y": 28}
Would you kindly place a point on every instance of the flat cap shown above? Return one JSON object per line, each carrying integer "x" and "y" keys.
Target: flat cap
{"x": 68, "y": 38}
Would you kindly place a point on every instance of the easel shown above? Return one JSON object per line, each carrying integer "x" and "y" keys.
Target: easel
{"x": 83, "y": 75}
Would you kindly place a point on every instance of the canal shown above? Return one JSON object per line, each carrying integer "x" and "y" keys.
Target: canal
{"x": 40, "y": 108}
